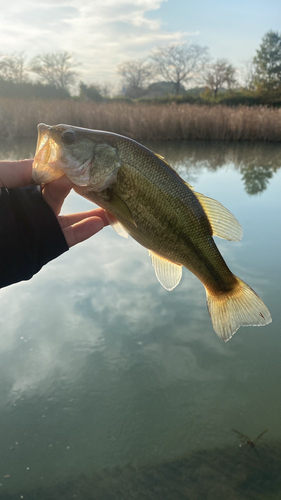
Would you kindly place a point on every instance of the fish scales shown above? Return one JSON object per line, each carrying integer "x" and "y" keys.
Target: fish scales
{"x": 170, "y": 226}
{"x": 179, "y": 215}
{"x": 144, "y": 195}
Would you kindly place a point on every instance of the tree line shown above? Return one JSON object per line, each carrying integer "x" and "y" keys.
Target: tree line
{"x": 170, "y": 70}
{"x": 54, "y": 74}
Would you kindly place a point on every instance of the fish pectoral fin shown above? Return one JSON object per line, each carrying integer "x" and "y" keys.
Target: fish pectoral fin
{"x": 167, "y": 273}
{"x": 223, "y": 223}
{"x": 122, "y": 208}
{"x": 119, "y": 228}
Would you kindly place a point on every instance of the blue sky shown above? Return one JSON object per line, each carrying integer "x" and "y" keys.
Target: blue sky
{"x": 231, "y": 29}
{"x": 103, "y": 33}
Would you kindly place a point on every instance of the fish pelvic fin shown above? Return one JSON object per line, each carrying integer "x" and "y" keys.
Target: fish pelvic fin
{"x": 238, "y": 307}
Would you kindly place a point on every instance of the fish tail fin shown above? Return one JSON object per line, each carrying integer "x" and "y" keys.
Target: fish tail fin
{"x": 239, "y": 307}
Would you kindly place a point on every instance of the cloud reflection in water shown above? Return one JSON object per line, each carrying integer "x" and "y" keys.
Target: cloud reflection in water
{"x": 92, "y": 298}
{"x": 124, "y": 370}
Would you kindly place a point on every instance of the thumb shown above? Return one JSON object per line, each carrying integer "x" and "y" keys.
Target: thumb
{"x": 56, "y": 191}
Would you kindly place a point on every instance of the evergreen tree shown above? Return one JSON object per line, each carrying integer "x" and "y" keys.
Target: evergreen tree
{"x": 268, "y": 62}
{"x": 91, "y": 92}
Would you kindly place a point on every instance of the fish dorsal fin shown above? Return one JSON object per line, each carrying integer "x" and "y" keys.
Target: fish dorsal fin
{"x": 163, "y": 159}
{"x": 160, "y": 156}
{"x": 122, "y": 208}
{"x": 223, "y": 223}
{"x": 189, "y": 186}
{"x": 167, "y": 273}
{"x": 119, "y": 228}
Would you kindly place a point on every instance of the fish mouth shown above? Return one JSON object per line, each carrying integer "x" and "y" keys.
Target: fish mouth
{"x": 50, "y": 162}
{"x": 46, "y": 164}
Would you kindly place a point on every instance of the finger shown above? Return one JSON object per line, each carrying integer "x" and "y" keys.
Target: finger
{"x": 68, "y": 220}
{"x": 15, "y": 173}
{"x": 82, "y": 230}
{"x": 56, "y": 191}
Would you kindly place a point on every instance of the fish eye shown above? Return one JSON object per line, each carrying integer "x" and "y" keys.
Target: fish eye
{"x": 68, "y": 137}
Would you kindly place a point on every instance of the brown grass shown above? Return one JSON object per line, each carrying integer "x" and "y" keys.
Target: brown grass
{"x": 19, "y": 118}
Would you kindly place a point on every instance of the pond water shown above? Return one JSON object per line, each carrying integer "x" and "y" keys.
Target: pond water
{"x": 113, "y": 388}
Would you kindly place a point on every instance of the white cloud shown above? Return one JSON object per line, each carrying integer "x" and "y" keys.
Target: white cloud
{"x": 100, "y": 34}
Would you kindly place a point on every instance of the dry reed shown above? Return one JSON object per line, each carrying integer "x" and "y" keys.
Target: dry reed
{"x": 19, "y": 118}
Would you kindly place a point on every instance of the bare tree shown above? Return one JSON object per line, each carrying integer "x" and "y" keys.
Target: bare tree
{"x": 248, "y": 75}
{"x": 219, "y": 74}
{"x": 13, "y": 67}
{"x": 135, "y": 76}
{"x": 55, "y": 69}
{"x": 179, "y": 63}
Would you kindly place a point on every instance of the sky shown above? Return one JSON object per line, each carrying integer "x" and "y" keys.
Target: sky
{"x": 104, "y": 33}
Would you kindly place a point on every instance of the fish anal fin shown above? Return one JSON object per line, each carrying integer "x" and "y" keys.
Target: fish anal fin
{"x": 223, "y": 223}
{"x": 167, "y": 273}
{"x": 117, "y": 226}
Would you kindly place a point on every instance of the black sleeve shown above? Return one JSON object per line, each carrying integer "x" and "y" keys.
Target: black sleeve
{"x": 30, "y": 235}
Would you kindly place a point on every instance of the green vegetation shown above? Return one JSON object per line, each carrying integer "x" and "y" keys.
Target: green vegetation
{"x": 268, "y": 63}
{"x": 29, "y": 90}
{"x": 91, "y": 92}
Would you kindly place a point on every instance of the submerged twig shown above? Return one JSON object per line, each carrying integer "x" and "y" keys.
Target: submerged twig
{"x": 245, "y": 440}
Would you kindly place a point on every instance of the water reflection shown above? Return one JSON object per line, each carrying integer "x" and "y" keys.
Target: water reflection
{"x": 256, "y": 178}
{"x": 109, "y": 384}
{"x": 256, "y": 162}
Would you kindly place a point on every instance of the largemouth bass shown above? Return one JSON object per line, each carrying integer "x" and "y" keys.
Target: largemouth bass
{"x": 144, "y": 197}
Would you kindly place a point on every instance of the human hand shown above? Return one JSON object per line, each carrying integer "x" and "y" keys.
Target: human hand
{"x": 15, "y": 173}
{"x": 76, "y": 227}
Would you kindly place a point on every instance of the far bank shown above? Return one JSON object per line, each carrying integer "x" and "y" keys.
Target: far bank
{"x": 144, "y": 122}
